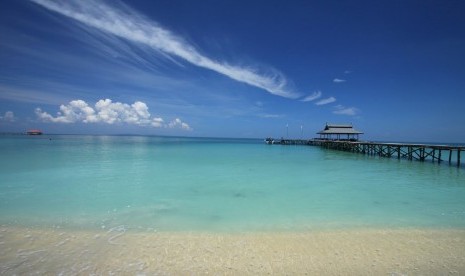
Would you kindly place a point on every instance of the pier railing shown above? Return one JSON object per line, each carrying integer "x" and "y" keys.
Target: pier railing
{"x": 418, "y": 152}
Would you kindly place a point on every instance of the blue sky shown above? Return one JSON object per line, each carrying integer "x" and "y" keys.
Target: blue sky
{"x": 394, "y": 69}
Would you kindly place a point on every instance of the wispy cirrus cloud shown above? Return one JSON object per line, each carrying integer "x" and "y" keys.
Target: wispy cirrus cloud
{"x": 342, "y": 110}
{"x": 29, "y": 95}
{"x": 271, "y": 116}
{"x": 123, "y": 22}
{"x": 315, "y": 95}
{"x": 326, "y": 101}
{"x": 108, "y": 112}
{"x": 336, "y": 80}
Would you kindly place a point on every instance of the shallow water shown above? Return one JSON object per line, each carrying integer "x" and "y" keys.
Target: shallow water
{"x": 189, "y": 184}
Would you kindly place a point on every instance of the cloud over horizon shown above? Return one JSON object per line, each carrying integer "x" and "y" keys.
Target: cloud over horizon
{"x": 178, "y": 123}
{"x": 9, "y": 116}
{"x": 108, "y": 112}
{"x": 124, "y": 22}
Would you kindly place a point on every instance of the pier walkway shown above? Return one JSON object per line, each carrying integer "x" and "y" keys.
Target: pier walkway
{"x": 418, "y": 152}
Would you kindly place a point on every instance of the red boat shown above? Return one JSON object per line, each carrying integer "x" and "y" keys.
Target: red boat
{"x": 34, "y": 132}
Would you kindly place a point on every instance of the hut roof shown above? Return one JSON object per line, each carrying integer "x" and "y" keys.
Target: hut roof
{"x": 339, "y": 129}
{"x": 34, "y": 132}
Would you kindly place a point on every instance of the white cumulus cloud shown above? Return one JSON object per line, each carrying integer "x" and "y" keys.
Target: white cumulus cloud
{"x": 77, "y": 110}
{"x": 315, "y": 95}
{"x": 8, "y": 117}
{"x": 108, "y": 112}
{"x": 178, "y": 123}
{"x": 157, "y": 122}
{"x": 126, "y": 23}
{"x": 326, "y": 101}
{"x": 336, "y": 80}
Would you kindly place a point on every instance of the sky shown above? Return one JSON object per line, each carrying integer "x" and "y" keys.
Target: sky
{"x": 234, "y": 68}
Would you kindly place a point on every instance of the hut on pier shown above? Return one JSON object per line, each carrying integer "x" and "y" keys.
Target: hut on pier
{"x": 339, "y": 132}
{"x": 34, "y": 132}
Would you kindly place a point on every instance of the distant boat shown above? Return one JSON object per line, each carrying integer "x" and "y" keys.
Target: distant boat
{"x": 34, "y": 132}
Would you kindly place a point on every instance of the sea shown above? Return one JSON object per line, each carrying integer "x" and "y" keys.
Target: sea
{"x": 178, "y": 184}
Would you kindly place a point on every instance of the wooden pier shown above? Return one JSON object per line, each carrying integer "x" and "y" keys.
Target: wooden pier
{"x": 418, "y": 152}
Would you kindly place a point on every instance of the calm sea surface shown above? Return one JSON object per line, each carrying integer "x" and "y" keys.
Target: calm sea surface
{"x": 179, "y": 184}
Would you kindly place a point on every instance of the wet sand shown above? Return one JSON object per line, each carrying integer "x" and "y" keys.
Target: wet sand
{"x": 121, "y": 252}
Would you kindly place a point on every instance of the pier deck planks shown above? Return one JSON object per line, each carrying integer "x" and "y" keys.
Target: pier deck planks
{"x": 419, "y": 152}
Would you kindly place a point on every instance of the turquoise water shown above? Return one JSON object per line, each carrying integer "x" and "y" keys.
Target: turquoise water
{"x": 178, "y": 184}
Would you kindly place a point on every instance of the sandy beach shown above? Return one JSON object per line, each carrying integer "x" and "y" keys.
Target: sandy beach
{"x": 345, "y": 252}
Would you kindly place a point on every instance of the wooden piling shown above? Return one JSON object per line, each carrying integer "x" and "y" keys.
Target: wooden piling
{"x": 458, "y": 158}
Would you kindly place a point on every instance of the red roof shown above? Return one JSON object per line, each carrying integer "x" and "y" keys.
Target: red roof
{"x": 34, "y": 132}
